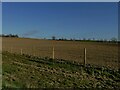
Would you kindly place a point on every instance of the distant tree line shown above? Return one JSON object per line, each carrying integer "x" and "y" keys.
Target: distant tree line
{"x": 113, "y": 39}
{"x": 9, "y": 35}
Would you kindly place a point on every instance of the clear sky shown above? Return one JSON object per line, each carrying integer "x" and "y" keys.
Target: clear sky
{"x": 69, "y": 20}
{"x": 0, "y": 18}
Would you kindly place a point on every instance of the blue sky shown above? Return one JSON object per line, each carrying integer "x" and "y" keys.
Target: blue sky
{"x": 69, "y": 20}
{"x": 0, "y": 18}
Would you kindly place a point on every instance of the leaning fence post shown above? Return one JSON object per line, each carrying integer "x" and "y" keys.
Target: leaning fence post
{"x": 84, "y": 56}
{"x": 53, "y": 53}
{"x": 21, "y": 51}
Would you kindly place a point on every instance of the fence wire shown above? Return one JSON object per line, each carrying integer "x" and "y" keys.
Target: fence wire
{"x": 104, "y": 57}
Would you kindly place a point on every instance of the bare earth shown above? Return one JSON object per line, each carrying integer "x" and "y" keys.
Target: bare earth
{"x": 105, "y": 54}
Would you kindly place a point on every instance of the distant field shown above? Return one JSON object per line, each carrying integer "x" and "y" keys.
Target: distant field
{"x": 105, "y": 54}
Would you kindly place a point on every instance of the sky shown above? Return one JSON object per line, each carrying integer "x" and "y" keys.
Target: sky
{"x": 61, "y": 19}
{"x": 60, "y": 0}
{"x": 0, "y": 18}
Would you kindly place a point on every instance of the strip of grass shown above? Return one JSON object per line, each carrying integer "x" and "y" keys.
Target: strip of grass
{"x": 23, "y": 71}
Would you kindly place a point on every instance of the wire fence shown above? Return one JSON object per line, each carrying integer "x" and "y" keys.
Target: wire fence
{"x": 83, "y": 55}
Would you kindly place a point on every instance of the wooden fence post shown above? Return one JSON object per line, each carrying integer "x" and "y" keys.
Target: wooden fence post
{"x": 84, "y": 56}
{"x": 53, "y": 53}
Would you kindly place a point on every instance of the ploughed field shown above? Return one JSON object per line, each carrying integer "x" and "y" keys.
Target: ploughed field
{"x": 102, "y": 54}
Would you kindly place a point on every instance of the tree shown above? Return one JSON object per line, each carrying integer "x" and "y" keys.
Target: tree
{"x": 9, "y": 35}
{"x": 53, "y": 37}
{"x": 89, "y": 39}
{"x": 113, "y": 39}
{"x": 84, "y": 39}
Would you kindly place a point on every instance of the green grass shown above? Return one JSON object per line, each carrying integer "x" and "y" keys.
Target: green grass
{"x": 24, "y": 71}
